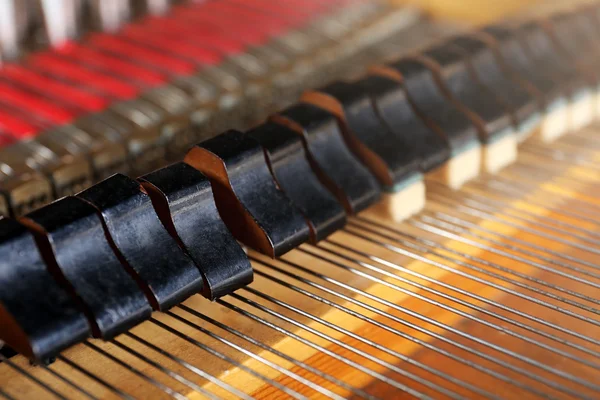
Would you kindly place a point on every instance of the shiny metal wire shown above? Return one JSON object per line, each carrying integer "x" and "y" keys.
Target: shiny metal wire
{"x": 474, "y": 307}
{"x": 447, "y": 328}
{"x": 32, "y": 378}
{"x": 371, "y": 343}
{"x": 393, "y": 246}
{"x": 96, "y": 378}
{"x": 220, "y": 355}
{"x": 284, "y": 356}
{"x": 171, "y": 392}
{"x": 335, "y": 273}
{"x": 380, "y": 325}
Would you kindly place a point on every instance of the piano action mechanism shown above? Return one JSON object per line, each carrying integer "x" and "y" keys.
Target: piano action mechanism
{"x": 298, "y": 199}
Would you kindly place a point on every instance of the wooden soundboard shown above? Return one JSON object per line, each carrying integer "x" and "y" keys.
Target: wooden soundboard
{"x": 490, "y": 291}
{"x": 461, "y": 269}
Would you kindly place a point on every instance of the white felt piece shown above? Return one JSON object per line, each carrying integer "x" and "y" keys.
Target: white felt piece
{"x": 460, "y": 169}
{"x": 526, "y": 131}
{"x": 402, "y": 204}
{"x": 499, "y": 154}
{"x": 581, "y": 112}
{"x": 555, "y": 124}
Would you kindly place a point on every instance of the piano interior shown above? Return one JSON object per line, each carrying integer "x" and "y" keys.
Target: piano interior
{"x": 345, "y": 199}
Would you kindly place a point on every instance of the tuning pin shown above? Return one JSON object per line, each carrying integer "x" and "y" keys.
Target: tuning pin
{"x": 61, "y": 19}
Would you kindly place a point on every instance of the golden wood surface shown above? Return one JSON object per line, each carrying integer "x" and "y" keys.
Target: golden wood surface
{"x": 564, "y": 188}
{"x": 471, "y": 11}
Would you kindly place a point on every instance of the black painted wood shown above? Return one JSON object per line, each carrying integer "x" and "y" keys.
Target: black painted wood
{"x": 458, "y": 82}
{"x": 47, "y": 317}
{"x": 388, "y": 156}
{"x": 251, "y": 186}
{"x": 339, "y": 170}
{"x": 77, "y": 249}
{"x": 573, "y": 35}
{"x": 436, "y": 110}
{"x": 140, "y": 239}
{"x": 563, "y": 75}
{"x": 519, "y": 62}
{"x": 589, "y": 23}
{"x": 293, "y": 174}
{"x": 393, "y": 106}
{"x": 522, "y": 105}
{"x": 183, "y": 198}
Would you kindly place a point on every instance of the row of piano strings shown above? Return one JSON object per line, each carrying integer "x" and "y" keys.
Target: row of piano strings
{"x": 100, "y": 262}
{"x": 74, "y": 115}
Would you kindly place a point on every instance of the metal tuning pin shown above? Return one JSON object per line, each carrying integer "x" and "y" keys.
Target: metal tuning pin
{"x": 333, "y": 162}
{"x": 22, "y": 187}
{"x": 105, "y": 156}
{"x": 441, "y": 116}
{"x": 183, "y": 199}
{"x": 253, "y": 208}
{"x": 176, "y": 135}
{"x": 287, "y": 160}
{"x": 395, "y": 165}
{"x": 70, "y": 170}
{"x": 488, "y": 69}
{"x": 493, "y": 122}
{"x": 38, "y": 318}
{"x": 229, "y": 92}
{"x": 107, "y": 140}
{"x": 253, "y": 75}
{"x": 521, "y": 68}
{"x": 205, "y": 99}
{"x": 395, "y": 109}
{"x": 110, "y": 297}
{"x": 142, "y": 242}
{"x": 141, "y": 121}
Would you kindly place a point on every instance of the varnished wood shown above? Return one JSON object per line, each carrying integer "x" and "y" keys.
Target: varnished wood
{"x": 108, "y": 370}
{"x": 565, "y": 190}
{"x": 472, "y": 11}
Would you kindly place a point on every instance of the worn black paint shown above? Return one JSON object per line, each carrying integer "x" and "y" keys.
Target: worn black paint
{"x": 293, "y": 174}
{"x": 254, "y": 187}
{"x": 574, "y": 35}
{"x": 395, "y": 110}
{"x": 334, "y": 163}
{"x": 194, "y": 220}
{"x": 82, "y": 255}
{"x": 515, "y": 57}
{"x": 436, "y": 110}
{"x": 42, "y": 308}
{"x": 364, "y": 124}
{"x": 587, "y": 23}
{"x": 490, "y": 73}
{"x": 562, "y": 74}
{"x": 165, "y": 272}
{"x": 458, "y": 81}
